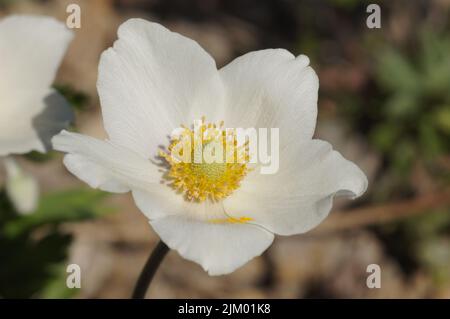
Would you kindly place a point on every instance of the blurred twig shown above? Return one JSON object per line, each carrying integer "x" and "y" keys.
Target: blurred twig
{"x": 381, "y": 214}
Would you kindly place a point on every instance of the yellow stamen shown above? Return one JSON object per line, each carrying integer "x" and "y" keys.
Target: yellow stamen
{"x": 230, "y": 220}
{"x": 206, "y": 162}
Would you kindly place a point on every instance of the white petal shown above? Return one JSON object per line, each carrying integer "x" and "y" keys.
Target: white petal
{"x": 201, "y": 232}
{"x": 31, "y": 120}
{"x": 218, "y": 248}
{"x": 21, "y": 187}
{"x": 105, "y": 165}
{"x": 272, "y": 89}
{"x": 164, "y": 201}
{"x": 299, "y": 196}
{"x": 31, "y": 49}
{"x": 151, "y": 82}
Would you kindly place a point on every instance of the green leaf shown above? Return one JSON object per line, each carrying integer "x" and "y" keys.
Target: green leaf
{"x": 56, "y": 286}
{"x": 442, "y": 119}
{"x": 435, "y": 61}
{"x": 401, "y": 106}
{"x": 384, "y": 136}
{"x": 28, "y": 265}
{"x": 403, "y": 154}
{"x": 59, "y": 207}
{"x": 429, "y": 139}
{"x": 434, "y": 253}
{"x": 395, "y": 73}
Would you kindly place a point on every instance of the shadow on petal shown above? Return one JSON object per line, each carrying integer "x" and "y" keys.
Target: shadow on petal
{"x": 55, "y": 116}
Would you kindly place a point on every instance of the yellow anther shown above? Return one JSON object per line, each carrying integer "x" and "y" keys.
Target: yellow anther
{"x": 198, "y": 176}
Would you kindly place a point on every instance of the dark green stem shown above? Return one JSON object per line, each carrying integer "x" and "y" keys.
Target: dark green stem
{"x": 149, "y": 270}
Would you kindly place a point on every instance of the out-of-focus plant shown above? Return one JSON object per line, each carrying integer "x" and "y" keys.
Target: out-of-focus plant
{"x": 414, "y": 120}
{"x": 404, "y": 113}
{"x": 424, "y": 241}
{"x": 34, "y": 248}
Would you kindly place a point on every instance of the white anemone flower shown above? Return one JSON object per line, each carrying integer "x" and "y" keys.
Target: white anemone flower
{"x": 150, "y": 82}
{"x": 31, "y": 112}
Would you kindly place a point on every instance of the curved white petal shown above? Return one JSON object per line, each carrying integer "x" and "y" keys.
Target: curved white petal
{"x": 202, "y": 232}
{"x": 31, "y": 49}
{"x": 151, "y": 82}
{"x": 218, "y": 248}
{"x": 106, "y": 165}
{"x": 164, "y": 202}
{"x": 30, "y": 121}
{"x": 272, "y": 89}
{"x": 299, "y": 196}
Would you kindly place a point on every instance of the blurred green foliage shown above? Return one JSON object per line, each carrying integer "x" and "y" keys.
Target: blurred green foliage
{"x": 398, "y": 102}
{"x": 406, "y": 114}
{"x": 414, "y": 120}
{"x": 33, "y": 248}
{"x": 423, "y": 240}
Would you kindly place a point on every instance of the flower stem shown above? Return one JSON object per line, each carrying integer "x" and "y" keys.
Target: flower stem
{"x": 149, "y": 270}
